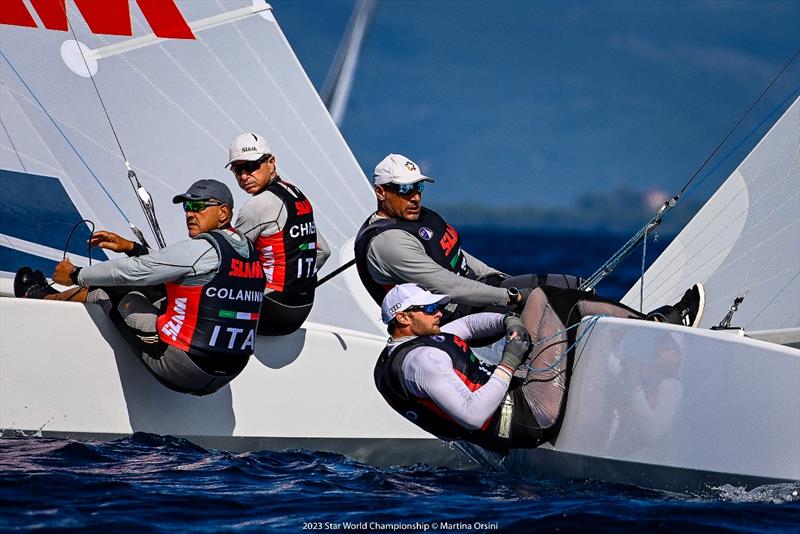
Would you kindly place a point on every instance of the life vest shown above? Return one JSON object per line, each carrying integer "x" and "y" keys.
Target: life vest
{"x": 512, "y": 422}
{"x": 440, "y": 241}
{"x": 289, "y": 257}
{"x": 219, "y": 317}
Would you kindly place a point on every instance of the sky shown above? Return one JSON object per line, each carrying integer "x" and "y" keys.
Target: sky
{"x": 515, "y": 104}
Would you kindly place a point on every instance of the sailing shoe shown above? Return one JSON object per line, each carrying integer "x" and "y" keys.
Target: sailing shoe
{"x": 689, "y": 310}
{"x": 31, "y": 284}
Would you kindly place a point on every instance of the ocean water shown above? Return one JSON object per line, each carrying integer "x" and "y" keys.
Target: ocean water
{"x": 149, "y": 483}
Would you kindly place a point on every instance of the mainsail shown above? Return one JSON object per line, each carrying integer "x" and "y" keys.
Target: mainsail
{"x": 175, "y": 104}
{"x": 743, "y": 242}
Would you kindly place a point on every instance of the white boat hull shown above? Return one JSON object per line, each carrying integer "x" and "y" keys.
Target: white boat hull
{"x": 65, "y": 371}
{"x": 726, "y": 411}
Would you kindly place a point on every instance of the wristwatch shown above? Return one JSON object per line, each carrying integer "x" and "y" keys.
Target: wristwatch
{"x": 513, "y": 295}
{"x": 74, "y": 275}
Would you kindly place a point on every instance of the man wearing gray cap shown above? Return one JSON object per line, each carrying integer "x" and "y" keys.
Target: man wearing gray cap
{"x": 202, "y": 336}
{"x": 279, "y": 220}
{"x": 403, "y": 242}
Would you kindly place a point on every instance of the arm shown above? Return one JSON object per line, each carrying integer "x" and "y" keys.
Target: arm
{"x": 429, "y": 373}
{"x": 480, "y": 268}
{"x": 323, "y": 250}
{"x": 117, "y": 243}
{"x": 185, "y": 258}
{"x": 263, "y": 214}
{"x": 476, "y": 325}
{"x": 397, "y": 257}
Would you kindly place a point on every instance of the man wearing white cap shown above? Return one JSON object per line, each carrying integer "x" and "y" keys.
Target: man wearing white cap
{"x": 403, "y": 242}
{"x": 279, "y": 220}
{"x": 428, "y": 374}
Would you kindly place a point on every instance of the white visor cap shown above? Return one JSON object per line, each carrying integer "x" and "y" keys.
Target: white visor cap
{"x": 397, "y": 169}
{"x": 247, "y": 147}
{"x": 403, "y": 296}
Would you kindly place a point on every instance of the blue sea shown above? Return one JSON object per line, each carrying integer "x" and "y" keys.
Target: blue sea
{"x": 149, "y": 483}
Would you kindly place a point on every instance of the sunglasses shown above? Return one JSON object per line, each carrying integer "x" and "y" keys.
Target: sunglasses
{"x": 249, "y": 167}
{"x": 428, "y": 309}
{"x": 406, "y": 189}
{"x": 198, "y": 205}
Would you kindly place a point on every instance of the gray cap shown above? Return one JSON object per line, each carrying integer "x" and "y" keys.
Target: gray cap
{"x": 206, "y": 190}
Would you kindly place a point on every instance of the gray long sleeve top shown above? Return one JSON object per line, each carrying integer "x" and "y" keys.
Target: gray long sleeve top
{"x": 188, "y": 258}
{"x": 265, "y": 214}
{"x": 428, "y": 372}
{"x": 395, "y": 256}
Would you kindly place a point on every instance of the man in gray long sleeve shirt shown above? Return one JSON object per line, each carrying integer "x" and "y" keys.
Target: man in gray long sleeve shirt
{"x": 279, "y": 220}
{"x": 204, "y": 334}
{"x": 404, "y": 242}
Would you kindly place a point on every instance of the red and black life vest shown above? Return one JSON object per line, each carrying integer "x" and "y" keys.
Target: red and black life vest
{"x": 521, "y": 430}
{"x": 220, "y": 317}
{"x": 289, "y": 257}
{"x": 439, "y": 239}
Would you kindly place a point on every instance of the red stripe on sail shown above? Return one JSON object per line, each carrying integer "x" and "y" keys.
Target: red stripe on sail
{"x": 15, "y": 13}
{"x": 165, "y": 18}
{"x": 53, "y": 13}
{"x": 109, "y": 17}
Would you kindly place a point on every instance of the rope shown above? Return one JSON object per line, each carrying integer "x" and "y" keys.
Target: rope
{"x": 341, "y": 269}
{"x": 94, "y": 84}
{"x": 145, "y": 201}
{"x": 628, "y": 247}
{"x": 591, "y": 322}
{"x": 746, "y": 113}
{"x": 69, "y": 143}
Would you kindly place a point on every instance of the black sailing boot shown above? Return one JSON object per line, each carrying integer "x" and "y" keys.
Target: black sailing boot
{"x": 687, "y": 312}
{"x": 30, "y": 284}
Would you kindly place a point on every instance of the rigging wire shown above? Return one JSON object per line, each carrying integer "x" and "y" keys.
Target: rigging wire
{"x": 69, "y": 143}
{"x": 145, "y": 201}
{"x": 641, "y": 235}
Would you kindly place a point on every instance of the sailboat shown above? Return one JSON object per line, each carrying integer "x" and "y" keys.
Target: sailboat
{"x": 177, "y": 85}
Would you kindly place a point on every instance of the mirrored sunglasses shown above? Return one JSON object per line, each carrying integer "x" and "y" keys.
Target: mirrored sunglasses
{"x": 428, "y": 309}
{"x": 248, "y": 167}
{"x": 198, "y": 205}
{"x": 405, "y": 189}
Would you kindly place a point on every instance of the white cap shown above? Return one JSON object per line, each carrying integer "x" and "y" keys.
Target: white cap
{"x": 397, "y": 169}
{"x": 403, "y": 296}
{"x": 247, "y": 147}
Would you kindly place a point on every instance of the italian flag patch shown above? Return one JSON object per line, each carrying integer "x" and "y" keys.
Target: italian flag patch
{"x": 230, "y": 314}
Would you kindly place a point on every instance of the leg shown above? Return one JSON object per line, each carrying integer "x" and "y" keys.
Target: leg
{"x": 547, "y": 314}
{"x": 172, "y": 367}
{"x": 544, "y": 371}
{"x": 282, "y": 315}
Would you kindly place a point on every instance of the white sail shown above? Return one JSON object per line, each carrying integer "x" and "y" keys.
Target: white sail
{"x": 175, "y": 105}
{"x": 745, "y": 240}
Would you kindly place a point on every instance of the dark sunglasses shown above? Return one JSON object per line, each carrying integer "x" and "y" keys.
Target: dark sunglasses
{"x": 249, "y": 166}
{"x": 198, "y": 205}
{"x": 405, "y": 189}
{"x": 428, "y": 309}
